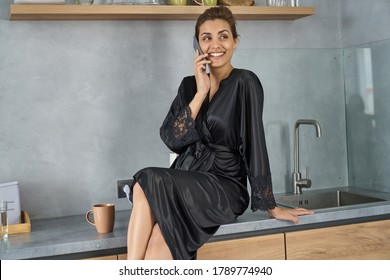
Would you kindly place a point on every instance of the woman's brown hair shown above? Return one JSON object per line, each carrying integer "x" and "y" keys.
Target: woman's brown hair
{"x": 219, "y": 12}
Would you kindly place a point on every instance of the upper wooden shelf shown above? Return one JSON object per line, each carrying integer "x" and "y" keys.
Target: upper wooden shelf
{"x": 150, "y": 12}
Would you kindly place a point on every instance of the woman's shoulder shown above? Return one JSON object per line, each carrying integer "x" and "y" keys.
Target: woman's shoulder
{"x": 248, "y": 80}
{"x": 246, "y": 74}
{"x": 187, "y": 88}
{"x": 187, "y": 83}
{"x": 189, "y": 79}
{"x": 250, "y": 84}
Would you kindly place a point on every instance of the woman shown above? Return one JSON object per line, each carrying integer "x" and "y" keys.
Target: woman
{"x": 219, "y": 116}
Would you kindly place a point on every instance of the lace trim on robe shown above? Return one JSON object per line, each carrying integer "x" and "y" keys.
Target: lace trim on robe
{"x": 262, "y": 197}
{"x": 183, "y": 123}
{"x": 178, "y": 131}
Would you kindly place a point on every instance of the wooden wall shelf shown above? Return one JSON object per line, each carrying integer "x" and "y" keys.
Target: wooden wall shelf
{"x": 152, "y": 12}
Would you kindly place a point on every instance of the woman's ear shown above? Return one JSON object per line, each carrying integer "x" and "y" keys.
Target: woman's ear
{"x": 235, "y": 43}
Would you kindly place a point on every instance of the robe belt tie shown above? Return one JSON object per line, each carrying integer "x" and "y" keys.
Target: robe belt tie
{"x": 200, "y": 147}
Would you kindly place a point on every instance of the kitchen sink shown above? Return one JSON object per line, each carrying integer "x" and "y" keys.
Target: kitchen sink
{"x": 326, "y": 199}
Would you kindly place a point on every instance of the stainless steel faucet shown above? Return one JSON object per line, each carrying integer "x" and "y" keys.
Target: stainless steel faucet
{"x": 298, "y": 182}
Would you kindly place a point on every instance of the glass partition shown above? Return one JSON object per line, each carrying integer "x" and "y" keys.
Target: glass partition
{"x": 302, "y": 84}
{"x": 347, "y": 91}
{"x": 367, "y": 92}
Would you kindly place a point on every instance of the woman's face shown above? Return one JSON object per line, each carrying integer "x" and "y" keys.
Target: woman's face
{"x": 216, "y": 39}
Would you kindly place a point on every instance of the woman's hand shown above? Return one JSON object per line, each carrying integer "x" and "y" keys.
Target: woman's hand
{"x": 202, "y": 79}
{"x": 203, "y": 83}
{"x": 288, "y": 214}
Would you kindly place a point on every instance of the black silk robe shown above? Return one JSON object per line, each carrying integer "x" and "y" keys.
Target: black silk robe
{"x": 189, "y": 206}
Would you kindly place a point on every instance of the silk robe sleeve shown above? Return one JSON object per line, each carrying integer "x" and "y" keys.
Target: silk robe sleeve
{"x": 253, "y": 148}
{"x": 178, "y": 129}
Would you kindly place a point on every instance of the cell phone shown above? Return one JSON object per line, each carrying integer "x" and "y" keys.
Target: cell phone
{"x": 196, "y": 45}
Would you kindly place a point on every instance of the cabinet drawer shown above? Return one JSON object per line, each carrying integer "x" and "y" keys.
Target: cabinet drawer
{"x": 364, "y": 241}
{"x": 269, "y": 247}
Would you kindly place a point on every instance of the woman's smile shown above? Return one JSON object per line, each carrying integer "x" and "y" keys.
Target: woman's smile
{"x": 215, "y": 56}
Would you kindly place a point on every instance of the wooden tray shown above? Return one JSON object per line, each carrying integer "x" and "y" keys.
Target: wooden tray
{"x": 25, "y": 226}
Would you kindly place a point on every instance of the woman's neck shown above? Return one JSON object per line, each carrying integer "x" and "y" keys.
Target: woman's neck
{"x": 218, "y": 74}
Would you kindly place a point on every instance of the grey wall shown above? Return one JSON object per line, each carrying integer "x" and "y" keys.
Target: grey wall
{"x": 364, "y": 21}
{"x": 81, "y": 102}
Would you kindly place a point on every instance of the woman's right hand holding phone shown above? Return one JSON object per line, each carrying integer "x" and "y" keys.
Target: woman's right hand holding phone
{"x": 203, "y": 83}
{"x": 202, "y": 78}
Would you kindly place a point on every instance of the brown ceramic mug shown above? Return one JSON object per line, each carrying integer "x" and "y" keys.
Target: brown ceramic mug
{"x": 103, "y": 217}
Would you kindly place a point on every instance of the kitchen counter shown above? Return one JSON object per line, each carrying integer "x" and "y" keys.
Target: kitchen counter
{"x": 73, "y": 238}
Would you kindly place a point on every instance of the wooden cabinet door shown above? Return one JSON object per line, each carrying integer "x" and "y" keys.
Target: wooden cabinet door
{"x": 268, "y": 247}
{"x": 364, "y": 241}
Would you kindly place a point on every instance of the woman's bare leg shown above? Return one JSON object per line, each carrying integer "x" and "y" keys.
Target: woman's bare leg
{"x": 140, "y": 225}
{"x": 157, "y": 247}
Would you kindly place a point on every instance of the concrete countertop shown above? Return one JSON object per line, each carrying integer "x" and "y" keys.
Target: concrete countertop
{"x": 73, "y": 238}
